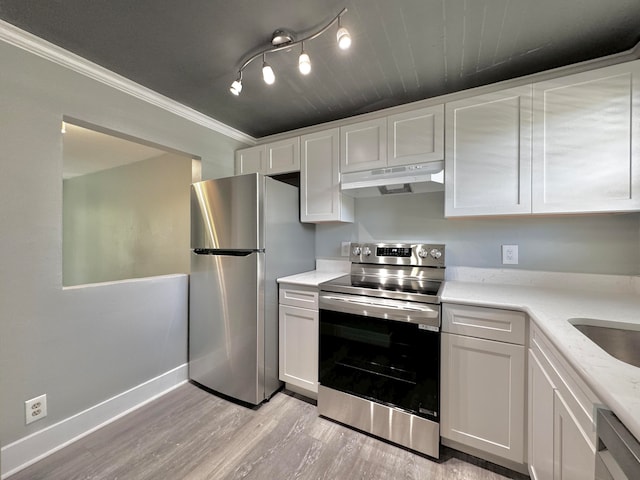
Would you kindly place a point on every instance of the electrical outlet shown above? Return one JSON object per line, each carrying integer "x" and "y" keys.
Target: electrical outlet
{"x": 345, "y": 249}
{"x": 509, "y": 254}
{"x": 35, "y": 409}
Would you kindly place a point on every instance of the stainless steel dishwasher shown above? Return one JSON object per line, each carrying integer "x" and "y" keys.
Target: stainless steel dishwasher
{"x": 618, "y": 455}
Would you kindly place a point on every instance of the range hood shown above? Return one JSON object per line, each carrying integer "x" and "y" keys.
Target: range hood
{"x": 419, "y": 178}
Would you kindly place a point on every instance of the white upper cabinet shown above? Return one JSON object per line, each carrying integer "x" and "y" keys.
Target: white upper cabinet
{"x": 586, "y": 134}
{"x": 320, "y": 196}
{"x": 488, "y": 154}
{"x": 251, "y": 160}
{"x": 407, "y": 138}
{"x": 282, "y": 156}
{"x": 363, "y": 145}
{"x": 416, "y": 136}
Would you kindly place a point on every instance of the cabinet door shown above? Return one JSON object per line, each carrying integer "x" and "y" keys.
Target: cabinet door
{"x": 585, "y": 141}
{"x": 283, "y": 156}
{"x": 574, "y": 457}
{"x": 488, "y": 154}
{"x": 541, "y": 399}
{"x": 320, "y": 197}
{"x": 251, "y": 160}
{"x": 299, "y": 347}
{"x": 363, "y": 146}
{"x": 416, "y": 136}
{"x": 482, "y": 402}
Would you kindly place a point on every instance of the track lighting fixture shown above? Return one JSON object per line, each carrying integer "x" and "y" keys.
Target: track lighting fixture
{"x": 283, "y": 40}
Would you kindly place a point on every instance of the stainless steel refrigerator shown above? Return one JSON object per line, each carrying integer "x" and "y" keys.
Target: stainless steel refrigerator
{"x": 245, "y": 233}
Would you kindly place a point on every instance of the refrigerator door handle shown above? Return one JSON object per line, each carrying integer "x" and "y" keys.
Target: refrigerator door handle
{"x": 231, "y": 253}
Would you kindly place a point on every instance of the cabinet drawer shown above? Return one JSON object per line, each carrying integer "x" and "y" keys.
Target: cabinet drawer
{"x": 297, "y": 296}
{"x": 481, "y": 322}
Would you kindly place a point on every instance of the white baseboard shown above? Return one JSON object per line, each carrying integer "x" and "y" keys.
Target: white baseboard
{"x": 28, "y": 450}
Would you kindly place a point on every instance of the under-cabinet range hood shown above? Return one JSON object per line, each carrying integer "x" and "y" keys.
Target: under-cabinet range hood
{"x": 419, "y": 178}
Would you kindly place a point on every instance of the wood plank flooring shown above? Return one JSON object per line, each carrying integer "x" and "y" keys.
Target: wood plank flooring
{"x": 191, "y": 434}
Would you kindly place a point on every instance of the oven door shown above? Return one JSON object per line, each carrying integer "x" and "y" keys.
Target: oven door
{"x": 383, "y": 350}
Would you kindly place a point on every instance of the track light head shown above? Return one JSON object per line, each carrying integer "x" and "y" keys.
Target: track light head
{"x": 343, "y": 37}
{"x": 304, "y": 62}
{"x": 236, "y": 86}
{"x": 267, "y": 74}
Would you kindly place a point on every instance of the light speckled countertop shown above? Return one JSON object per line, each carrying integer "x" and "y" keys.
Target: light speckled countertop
{"x": 326, "y": 269}
{"x": 551, "y": 299}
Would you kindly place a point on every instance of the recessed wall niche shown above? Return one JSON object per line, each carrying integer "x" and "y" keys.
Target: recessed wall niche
{"x": 125, "y": 207}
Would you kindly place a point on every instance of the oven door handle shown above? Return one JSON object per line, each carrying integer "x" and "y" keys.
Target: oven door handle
{"x": 422, "y": 314}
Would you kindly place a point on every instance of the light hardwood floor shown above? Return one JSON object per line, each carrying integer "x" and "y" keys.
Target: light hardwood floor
{"x": 191, "y": 434}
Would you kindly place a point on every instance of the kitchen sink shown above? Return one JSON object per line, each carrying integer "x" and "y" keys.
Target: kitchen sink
{"x": 620, "y": 340}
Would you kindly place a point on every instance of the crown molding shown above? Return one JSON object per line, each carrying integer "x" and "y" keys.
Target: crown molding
{"x": 26, "y": 41}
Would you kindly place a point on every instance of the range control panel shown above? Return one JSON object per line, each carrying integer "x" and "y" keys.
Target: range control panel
{"x": 419, "y": 254}
{"x": 393, "y": 252}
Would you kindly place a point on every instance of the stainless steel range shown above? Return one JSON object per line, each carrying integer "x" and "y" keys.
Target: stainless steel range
{"x": 380, "y": 344}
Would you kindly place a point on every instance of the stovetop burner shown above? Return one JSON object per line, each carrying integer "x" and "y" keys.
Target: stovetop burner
{"x": 397, "y": 285}
{"x": 413, "y": 272}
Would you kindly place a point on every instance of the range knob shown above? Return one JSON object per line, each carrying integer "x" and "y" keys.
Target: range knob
{"x": 357, "y": 250}
{"x": 435, "y": 253}
{"x": 366, "y": 251}
{"x": 422, "y": 253}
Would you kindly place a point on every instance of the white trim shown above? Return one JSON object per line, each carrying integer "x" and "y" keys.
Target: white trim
{"x": 26, "y": 41}
{"x": 28, "y": 450}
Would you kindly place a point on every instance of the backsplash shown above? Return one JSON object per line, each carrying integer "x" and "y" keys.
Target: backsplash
{"x": 604, "y": 243}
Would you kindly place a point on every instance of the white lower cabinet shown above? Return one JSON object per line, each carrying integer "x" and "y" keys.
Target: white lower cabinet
{"x": 541, "y": 400}
{"x": 562, "y": 439}
{"x": 573, "y": 454}
{"x": 483, "y": 381}
{"x": 298, "y": 338}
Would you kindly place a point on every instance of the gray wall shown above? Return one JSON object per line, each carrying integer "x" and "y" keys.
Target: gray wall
{"x": 127, "y": 222}
{"x": 605, "y": 243}
{"x": 82, "y": 345}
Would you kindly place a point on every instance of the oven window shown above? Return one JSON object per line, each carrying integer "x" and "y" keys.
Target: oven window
{"x": 390, "y": 362}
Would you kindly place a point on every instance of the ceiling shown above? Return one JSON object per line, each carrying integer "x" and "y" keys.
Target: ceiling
{"x": 402, "y": 51}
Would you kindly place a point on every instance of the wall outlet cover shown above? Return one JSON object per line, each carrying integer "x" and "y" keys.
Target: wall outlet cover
{"x": 510, "y": 254}
{"x": 345, "y": 249}
{"x": 35, "y": 409}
